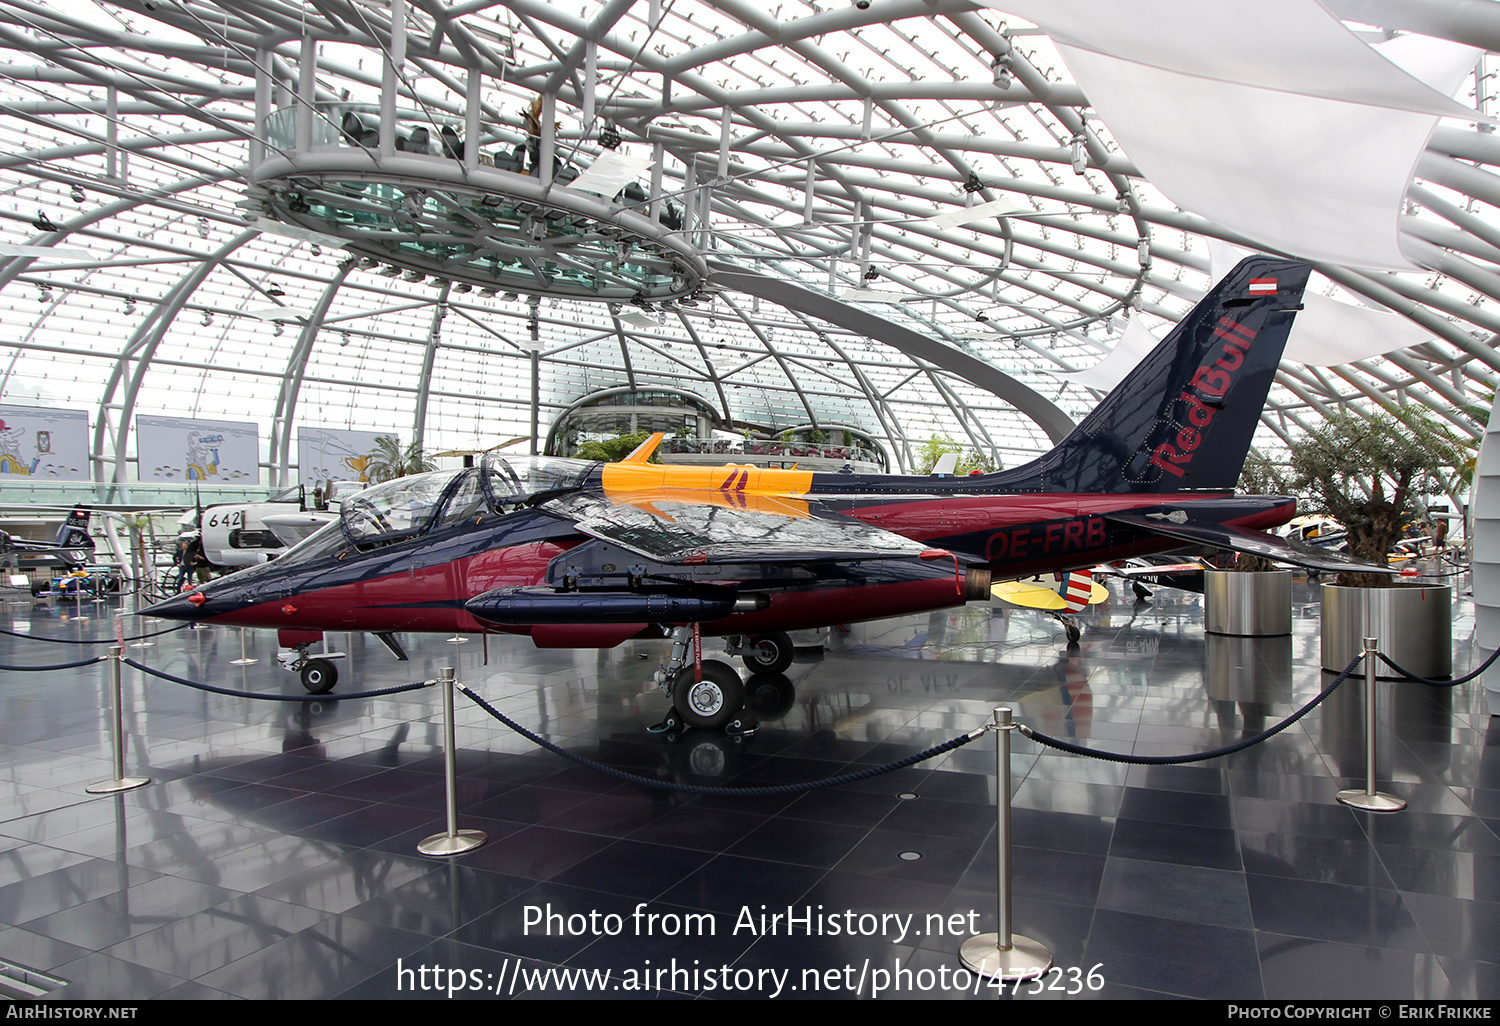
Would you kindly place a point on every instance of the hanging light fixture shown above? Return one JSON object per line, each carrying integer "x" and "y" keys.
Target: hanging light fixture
{"x": 77, "y": 195}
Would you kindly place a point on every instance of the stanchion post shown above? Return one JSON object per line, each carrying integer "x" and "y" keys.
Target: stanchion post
{"x": 1369, "y": 799}
{"x": 455, "y": 841}
{"x": 1003, "y": 955}
{"x": 117, "y": 736}
{"x": 243, "y": 660}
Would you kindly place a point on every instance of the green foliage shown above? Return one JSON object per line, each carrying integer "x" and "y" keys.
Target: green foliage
{"x": 613, "y": 450}
{"x": 1262, "y": 475}
{"x": 1371, "y": 473}
{"x": 969, "y": 460}
{"x": 387, "y": 460}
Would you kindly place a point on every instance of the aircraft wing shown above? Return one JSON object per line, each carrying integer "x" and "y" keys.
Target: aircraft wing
{"x": 673, "y": 530}
{"x": 1222, "y": 536}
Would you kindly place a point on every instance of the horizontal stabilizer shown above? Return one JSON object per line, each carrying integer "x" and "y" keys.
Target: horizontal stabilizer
{"x": 1222, "y": 536}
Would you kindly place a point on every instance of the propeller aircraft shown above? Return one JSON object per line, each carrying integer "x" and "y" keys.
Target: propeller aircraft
{"x": 580, "y": 554}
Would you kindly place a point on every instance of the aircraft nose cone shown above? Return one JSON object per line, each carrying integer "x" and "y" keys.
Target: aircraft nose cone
{"x": 178, "y": 607}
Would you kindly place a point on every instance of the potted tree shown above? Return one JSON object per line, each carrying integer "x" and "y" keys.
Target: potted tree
{"x": 1251, "y": 597}
{"x": 1372, "y": 472}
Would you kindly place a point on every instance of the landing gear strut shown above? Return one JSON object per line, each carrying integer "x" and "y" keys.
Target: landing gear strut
{"x": 705, "y": 692}
{"x": 1071, "y": 627}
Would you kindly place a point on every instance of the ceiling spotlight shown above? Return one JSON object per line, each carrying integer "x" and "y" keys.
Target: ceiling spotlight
{"x": 129, "y": 307}
{"x": 413, "y": 276}
{"x": 77, "y": 195}
{"x": 488, "y": 290}
{"x": 871, "y": 274}
{"x": 1080, "y": 154}
{"x": 463, "y": 286}
{"x": 208, "y": 318}
{"x": 609, "y": 137}
{"x": 316, "y": 250}
{"x": 343, "y": 338}
{"x": 45, "y": 295}
{"x": 1122, "y": 203}
{"x": 277, "y": 328}
{"x": 508, "y": 296}
{"x": 44, "y": 224}
{"x": 1001, "y": 69}
{"x": 202, "y": 227}
{"x": 274, "y": 290}
{"x": 390, "y": 270}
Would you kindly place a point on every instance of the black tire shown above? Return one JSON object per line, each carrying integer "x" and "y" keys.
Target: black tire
{"x": 1073, "y": 633}
{"x": 1141, "y": 591}
{"x": 319, "y": 676}
{"x": 769, "y": 653}
{"x": 712, "y": 701}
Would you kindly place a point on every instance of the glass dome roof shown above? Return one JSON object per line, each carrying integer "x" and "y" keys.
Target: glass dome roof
{"x": 775, "y": 243}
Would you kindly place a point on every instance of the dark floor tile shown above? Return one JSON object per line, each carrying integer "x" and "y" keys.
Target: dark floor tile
{"x": 1173, "y": 957}
{"x": 1334, "y": 912}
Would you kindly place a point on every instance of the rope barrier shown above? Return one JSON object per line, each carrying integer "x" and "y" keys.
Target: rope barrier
{"x": 398, "y": 689}
{"x": 732, "y": 792}
{"x": 59, "y": 666}
{"x": 93, "y": 641}
{"x": 1441, "y": 683}
{"x": 1173, "y": 760}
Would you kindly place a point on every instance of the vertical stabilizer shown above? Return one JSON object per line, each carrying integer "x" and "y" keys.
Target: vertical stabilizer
{"x": 1184, "y": 417}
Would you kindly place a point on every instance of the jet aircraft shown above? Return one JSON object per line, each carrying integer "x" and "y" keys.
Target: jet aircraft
{"x": 582, "y": 554}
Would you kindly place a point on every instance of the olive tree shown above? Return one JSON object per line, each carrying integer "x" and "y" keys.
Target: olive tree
{"x": 1372, "y": 472}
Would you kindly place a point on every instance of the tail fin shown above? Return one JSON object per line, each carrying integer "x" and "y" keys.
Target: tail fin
{"x": 74, "y": 532}
{"x": 1185, "y": 416}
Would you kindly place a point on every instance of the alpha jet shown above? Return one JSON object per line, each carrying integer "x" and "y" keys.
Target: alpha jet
{"x": 579, "y": 554}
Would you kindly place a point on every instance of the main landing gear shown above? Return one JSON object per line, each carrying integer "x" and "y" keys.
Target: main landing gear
{"x": 708, "y": 693}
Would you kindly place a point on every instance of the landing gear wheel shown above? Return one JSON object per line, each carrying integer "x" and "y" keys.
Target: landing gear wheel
{"x": 1141, "y": 591}
{"x": 319, "y": 676}
{"x": 711, "y": 701}
{"x": 1073, "y": 633}
{"x": 768, "y": 653}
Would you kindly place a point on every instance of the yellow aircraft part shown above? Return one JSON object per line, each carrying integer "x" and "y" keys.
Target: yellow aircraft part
{"x": 1035, "y": 593}
{"x": 633, "y": 477}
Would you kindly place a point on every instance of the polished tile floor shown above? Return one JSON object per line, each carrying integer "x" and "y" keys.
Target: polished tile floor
{"x": 274, "y": 856}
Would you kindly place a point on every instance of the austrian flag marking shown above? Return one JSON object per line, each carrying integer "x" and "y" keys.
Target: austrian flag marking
{"x": 1263, "y": 286}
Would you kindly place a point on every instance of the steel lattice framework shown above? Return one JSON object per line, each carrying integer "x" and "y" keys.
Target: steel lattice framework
{"x": 804, "y": 144}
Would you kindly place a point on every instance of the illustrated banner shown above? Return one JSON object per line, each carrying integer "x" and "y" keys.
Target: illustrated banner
{"x": 180, "y": 449}
{"x": 37, "y": 442}
{"x": 330, "y": 454}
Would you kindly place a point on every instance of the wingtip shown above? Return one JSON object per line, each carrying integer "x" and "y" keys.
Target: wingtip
{"x": 642, "y": 453}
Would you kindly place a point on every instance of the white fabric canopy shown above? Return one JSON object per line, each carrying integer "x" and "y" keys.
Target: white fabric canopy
{"x": 1130, "y": 349}
{"x": 1327, "y": 331}
{"x": 1271, "y": 120}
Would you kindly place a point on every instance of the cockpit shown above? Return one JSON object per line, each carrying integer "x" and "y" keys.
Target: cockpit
{"x": 510, "y": 481}
{"x": 410, "y": 506}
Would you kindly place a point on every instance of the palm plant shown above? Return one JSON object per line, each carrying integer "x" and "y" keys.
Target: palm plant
{"x": 388, "y": 460}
